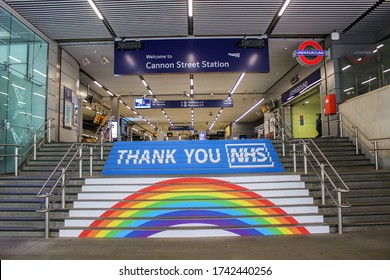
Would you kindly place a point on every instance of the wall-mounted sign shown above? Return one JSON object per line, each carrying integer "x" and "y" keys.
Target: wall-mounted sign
{"x": 192, "y": 157}
{"x": 181, "y": 127}
{"x": 192, "y": 104}
{"x": 306, "y": 83}
{"x": 192, "y": 56}
{"x": 309, "y": 53}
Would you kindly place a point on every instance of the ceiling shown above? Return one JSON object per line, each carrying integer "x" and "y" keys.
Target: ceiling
{"x": 76, "y": 27}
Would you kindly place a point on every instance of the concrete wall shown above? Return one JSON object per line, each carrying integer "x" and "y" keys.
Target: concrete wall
{"x": 370, "y": 113}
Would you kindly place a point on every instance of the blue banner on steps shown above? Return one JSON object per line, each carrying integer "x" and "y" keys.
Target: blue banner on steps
{"x": 193, "y": 157}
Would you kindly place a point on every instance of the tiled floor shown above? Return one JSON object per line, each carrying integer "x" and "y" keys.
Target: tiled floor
{"x": 355, "y": 246}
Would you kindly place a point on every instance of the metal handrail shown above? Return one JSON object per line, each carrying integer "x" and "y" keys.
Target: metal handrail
{"x": 32, "y": 146}
{"x": 356, "y": 133}
{"x": 287, "y": 139}
{"x": 78, "y": 156}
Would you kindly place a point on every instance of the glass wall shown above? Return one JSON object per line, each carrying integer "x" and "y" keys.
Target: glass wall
{"x": 365, "y": 70}
{"x": 23, "y": 80}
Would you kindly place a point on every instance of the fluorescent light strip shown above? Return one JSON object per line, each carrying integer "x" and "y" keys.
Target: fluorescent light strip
{"x": 237, "y": 83}
{"x": 40, "y": 73}
{"x": 110, "y": 93}
{"x": 284, "y": 7}
{"x": 247, "y": 112}
{"x": 18, "y": 86}
{"x": 3, "y": 93}
{"x": 5, "y": 77}
{"x": 40, "y": 95}
{"x": 98, "y": 84}
{"x": 95, "y": 9}
{"x": 144, "y": 82}
{"x": 89, "y": 108}
{"x": 370, "y": 80}
{"x": 309, "y": 87}
{"x": 348, "y": 89}
{"x": 346, "y": 67}
{"x": 190, "y": 8}
{"x": 14, "y": 59}
{"x": 380, "y": 46}
{"x": 387, "y": 70}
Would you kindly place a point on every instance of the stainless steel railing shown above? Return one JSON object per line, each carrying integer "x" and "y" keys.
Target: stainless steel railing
{"x": 361, "y": 139}
{"x": 38, "y": 138}
{"x": 318, "y": 163}
{"x": 77, "y": 155}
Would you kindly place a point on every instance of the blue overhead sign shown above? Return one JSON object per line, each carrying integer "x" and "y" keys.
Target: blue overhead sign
{"x": 192, "y": 157}
{"x": 192, "y": 104}
{"x": 302, "y": 86}
{"x": 191, "y": 56}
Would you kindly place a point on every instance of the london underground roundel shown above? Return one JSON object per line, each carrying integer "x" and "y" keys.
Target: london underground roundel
{"x": 309, "y": 53}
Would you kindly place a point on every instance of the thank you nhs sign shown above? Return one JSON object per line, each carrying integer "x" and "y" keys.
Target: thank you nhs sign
{"x": 192, "y": 157}
{"x": 191, "y": 56}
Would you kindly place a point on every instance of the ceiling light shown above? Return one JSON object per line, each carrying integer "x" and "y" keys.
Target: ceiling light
{"x": 284, "y": 7}
{"x": 348, "y": 89}
{"x": 95, "y": 9}
{"x": 346, "y": 67}
{"x": 144, "y": 82}
{"x": 380, "y": 46}
{"x": 237, "y": 83}
{"x": 40, "y": 73}
{"x": 110, "y": 93}
{"x": 89, "y": 108}
{"x": 15, "y": 59}
{"x": 190, "y": 8}
{"x": 120, "y": 101}
{"x": 98, "y": 84}
{"x": 22, "y": 88}
{"x": 387, "y": 70}
{"x": 370, "y": 80}
{"x": 247, "y": 112}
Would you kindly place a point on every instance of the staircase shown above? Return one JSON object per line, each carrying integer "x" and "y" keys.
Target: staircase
{"x": 369, "y": 194}
{"x": 139, "y": 207}
{"x": 208, "y": 193}
{"x": 18, "y": 200}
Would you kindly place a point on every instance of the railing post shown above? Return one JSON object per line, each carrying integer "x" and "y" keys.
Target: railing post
{"x": 356, "y": 140}
{"x": 283, "y": 145}
{"x": 341, "y": 125}
{"x": 81, "y": 163}
{"x": 63, "y": 192}
{"x": 376, "y": 155}
{"x": 47, "y": 216}
{"x": 16, "y": 161}
{"x": 35, "y": 147}
{"x": 304, "y": 158}
{"x": 339, "y": 213}
{"x": 101, "y": 148}
{"x": 295, "y": 157}
{"x": 90, "y": 161}
{"x": 323, "y": 184}
{"x": 49, "y": 132}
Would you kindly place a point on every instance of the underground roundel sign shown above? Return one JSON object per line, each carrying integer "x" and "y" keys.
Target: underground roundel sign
{"x": 309, "y": 53}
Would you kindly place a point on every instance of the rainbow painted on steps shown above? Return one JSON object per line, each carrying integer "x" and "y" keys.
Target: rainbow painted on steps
{"x": 183, "y": 202}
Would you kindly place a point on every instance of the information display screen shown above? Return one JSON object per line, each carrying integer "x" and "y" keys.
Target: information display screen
{"x": 142, "y": 103}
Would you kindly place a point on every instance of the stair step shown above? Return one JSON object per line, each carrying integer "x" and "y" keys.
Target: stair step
{"x": 199, "y": 231}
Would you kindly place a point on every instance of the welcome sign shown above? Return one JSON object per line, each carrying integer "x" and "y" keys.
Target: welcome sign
{"x": 191, "y": 56}
{"x": 192, "y": 157}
